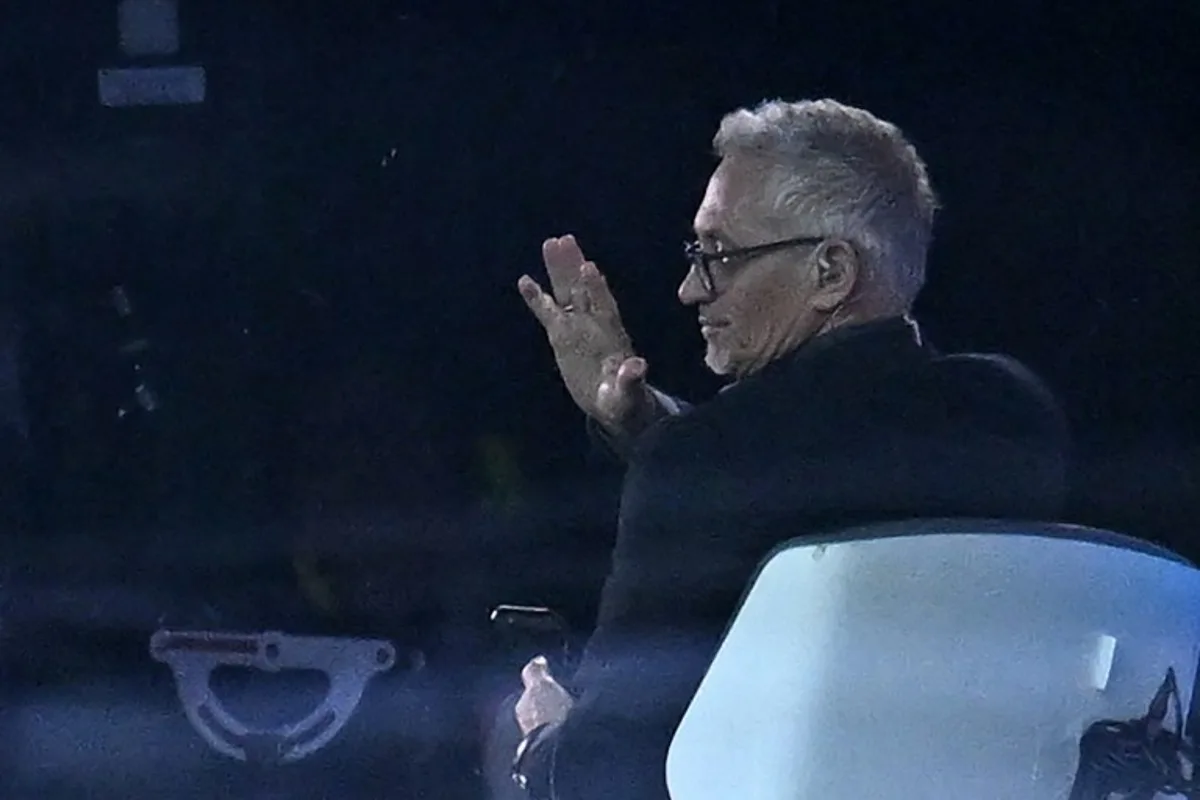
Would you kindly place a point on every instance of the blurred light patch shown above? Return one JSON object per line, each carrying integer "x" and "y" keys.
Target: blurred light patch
{"x": 152, "y": 86}
{"x": 148, "y": 27}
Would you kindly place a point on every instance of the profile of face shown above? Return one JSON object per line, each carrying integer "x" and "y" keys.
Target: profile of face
{"x": 763, "y": 306}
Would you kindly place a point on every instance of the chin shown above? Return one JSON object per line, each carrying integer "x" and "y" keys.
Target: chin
{"x": 717, "y": 361}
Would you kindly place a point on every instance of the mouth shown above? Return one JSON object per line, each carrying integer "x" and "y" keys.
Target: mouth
{"x": 710, "y": 326}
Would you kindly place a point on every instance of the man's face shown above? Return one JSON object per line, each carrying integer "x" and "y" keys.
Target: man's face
{"x": 761, "y": 308}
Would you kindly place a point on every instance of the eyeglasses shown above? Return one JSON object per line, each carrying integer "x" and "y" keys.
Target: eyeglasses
{"x": 702, "y": 260}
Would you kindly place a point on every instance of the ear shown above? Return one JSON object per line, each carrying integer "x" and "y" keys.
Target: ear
{"x": 837, "y": 269}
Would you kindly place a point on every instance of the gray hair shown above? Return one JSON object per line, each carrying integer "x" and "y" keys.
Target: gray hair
{"x": 849, "y": 174}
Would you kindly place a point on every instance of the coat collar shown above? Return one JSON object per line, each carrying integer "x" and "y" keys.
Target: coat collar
{"x": 864, "y": 341}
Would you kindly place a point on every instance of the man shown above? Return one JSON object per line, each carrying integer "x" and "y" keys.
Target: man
{"x": 811, "y": 248}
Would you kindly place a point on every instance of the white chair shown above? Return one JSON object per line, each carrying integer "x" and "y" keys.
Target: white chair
{"x": 945, "y": 659}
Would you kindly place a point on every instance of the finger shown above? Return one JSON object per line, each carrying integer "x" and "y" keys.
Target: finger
{"x": 541, "y": 304}
{"x": 524, "y": 720}
{"x": 600, "y": 299}
{"x": 623, "y": 387}
{"x": 563, "y": 258}
{"x": 631, "y": 375}
{"x": 525, "y": 713}
{"x": 580, "y": 300}
{"x": 535, "y": 672}
{"x": 629, "y": 385}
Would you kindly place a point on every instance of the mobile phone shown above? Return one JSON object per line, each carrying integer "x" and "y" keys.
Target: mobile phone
{"x": 529, "y": 631}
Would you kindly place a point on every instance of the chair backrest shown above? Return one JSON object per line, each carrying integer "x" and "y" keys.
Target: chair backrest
{"x": 947, "y": 659}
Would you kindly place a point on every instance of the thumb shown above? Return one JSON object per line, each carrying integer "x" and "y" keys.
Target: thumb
{"x": 631, "y": 375}
{"x": 535, "y": 672}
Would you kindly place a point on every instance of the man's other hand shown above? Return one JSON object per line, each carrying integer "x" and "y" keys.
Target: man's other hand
{"x": 595, "y": 357}
{"x": 544, "y": 701}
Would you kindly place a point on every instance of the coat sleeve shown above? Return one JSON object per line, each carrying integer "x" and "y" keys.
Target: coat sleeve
{"x": 647, "y": 655}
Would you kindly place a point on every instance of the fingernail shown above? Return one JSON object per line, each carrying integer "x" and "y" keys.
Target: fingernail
{"x": 541, "y": 661}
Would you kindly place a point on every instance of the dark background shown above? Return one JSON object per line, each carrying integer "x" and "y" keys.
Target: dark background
{"x": 323, "y": 256}
{"x": 350, "y": 423}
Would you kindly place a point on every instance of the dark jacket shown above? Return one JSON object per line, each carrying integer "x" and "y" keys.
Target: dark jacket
{"x": 861, "y": 425}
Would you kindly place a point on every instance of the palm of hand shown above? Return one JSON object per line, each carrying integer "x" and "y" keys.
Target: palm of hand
{"x": 584, "y": 327}
{"x": 588, "y": 351}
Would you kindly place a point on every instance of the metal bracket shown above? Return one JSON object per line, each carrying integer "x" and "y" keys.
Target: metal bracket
{"x": 348, "y": 664}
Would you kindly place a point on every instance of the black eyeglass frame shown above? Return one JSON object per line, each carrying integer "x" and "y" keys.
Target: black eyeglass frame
{"x": 702, "y": 260}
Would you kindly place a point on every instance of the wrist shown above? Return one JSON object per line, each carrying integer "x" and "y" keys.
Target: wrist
{"x": 533, "y": 765}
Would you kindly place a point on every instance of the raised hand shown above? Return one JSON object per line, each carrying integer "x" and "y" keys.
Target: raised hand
{"x": 595, "y": 357}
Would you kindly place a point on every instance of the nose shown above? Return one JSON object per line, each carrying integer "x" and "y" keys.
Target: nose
{"x": 691, "y": 291}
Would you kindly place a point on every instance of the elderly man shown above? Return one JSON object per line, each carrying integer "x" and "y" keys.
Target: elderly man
{"x": 811, "y": 248}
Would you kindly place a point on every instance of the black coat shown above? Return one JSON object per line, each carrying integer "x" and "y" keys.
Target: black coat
{"x": 861, "y": 425}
